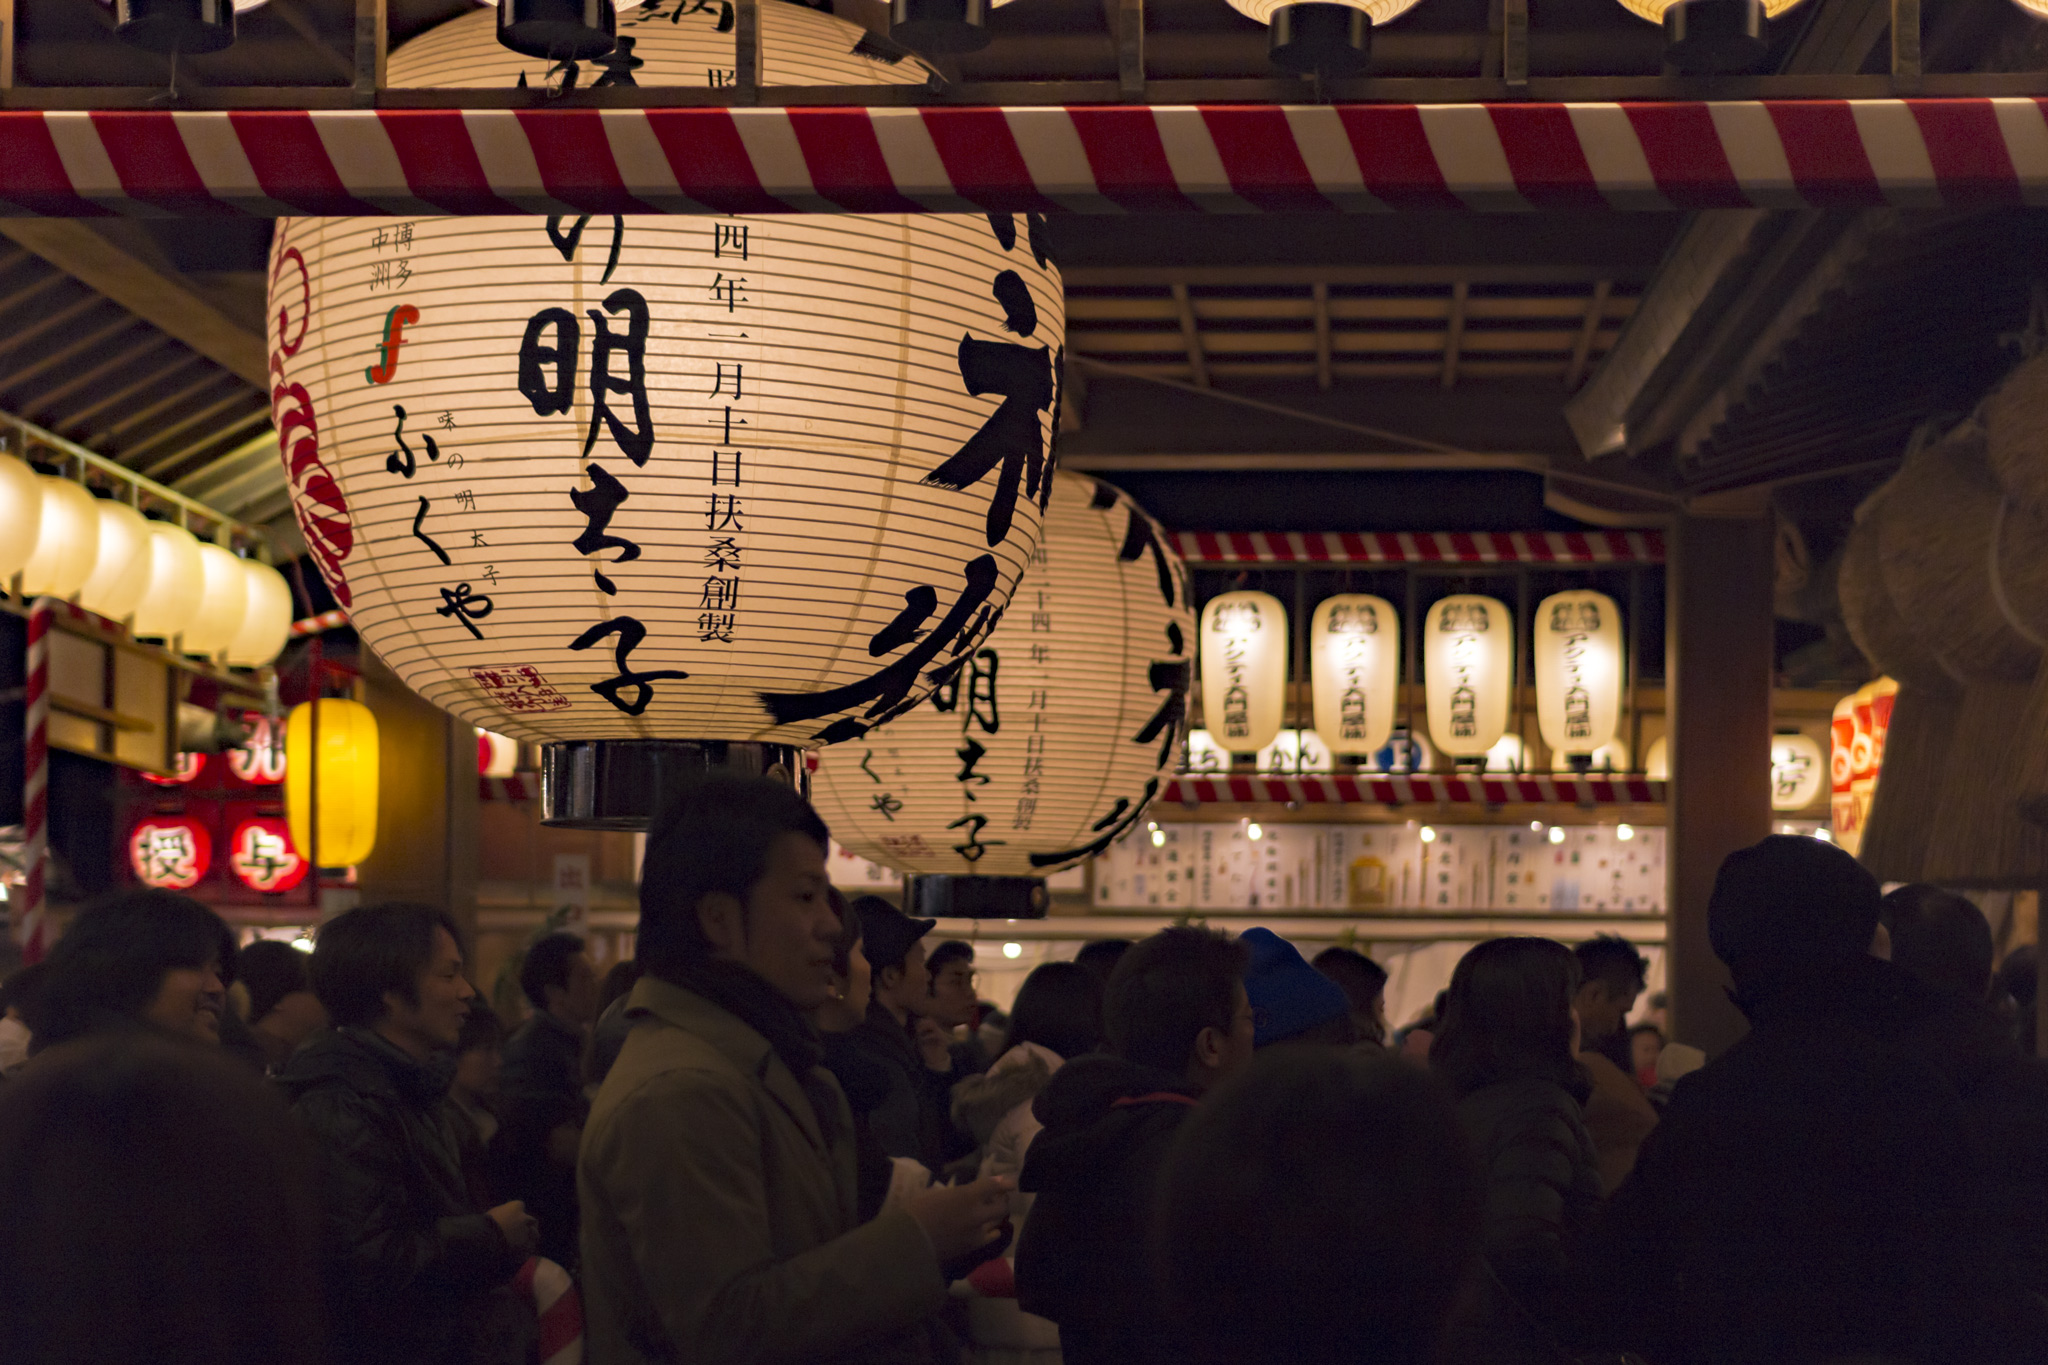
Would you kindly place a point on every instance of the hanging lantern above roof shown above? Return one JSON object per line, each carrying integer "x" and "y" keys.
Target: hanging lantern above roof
{"x": 662, "y": 493}
{"x": 1244, "y": 669}
{"x": 1052, "y": 738}
{"x": 1579, "y": 675}
{"x": 1468, "y": 645}
{"x": 1355, "y": 665}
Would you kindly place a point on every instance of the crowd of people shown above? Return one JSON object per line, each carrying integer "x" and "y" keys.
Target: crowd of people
{"x": 790, "y": 1131}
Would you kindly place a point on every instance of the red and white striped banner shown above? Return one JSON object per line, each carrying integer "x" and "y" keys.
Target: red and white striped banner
{"x": 325, "y": 621}
{"x": 1423, "y": 789}
{"x": 1420, "y": 547}
{"x": 30, "y": 923}
{"x": 1954, "y": 153}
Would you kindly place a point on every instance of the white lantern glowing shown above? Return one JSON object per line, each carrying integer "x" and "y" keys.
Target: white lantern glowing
{"x": 496, "y": 755}
{"x": 1799, "y": 771}
{"x": 1244, "y": 669}
{"x": 1578, "y": 671}
{"x": 1468, "y": 647}
{"x": 1355, "y": 670}
{"x": 1611, "y": 757}
{"x": 1204, "y": 754}
{"x": 1506, "y": 755}
{"x": 1049, "y": 742}
{"x": 223, "y": 602}
{"x": 120, "y": 575}
{"x": 267, "y": 622}
{"x": 176, "y": 581}
{"x": 652, "y": 485}
{"x": 21, "y": 514}
{"x": 1293, "y": 752}
{"x": 67, "y": 543}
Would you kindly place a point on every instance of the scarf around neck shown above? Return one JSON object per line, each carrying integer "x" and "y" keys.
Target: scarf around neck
{"x": 743, "y": 993}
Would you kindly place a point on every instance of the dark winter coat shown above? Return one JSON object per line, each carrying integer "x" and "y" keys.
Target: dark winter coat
{"x": 1812, "y": 1193}
{"x": 1082, "y": 1259}
{"x": 910, "y": 1119}
{"x": 411, "y": 1265}
{"x": 540, "y": 1089}
{"x": 1542, "y": 1178}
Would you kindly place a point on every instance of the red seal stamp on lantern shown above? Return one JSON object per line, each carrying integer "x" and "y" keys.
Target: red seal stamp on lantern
{"x": 520, "y": 689}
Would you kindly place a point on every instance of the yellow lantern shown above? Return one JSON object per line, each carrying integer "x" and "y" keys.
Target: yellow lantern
{"x": 1244, "y": 669}
{"x": 21, "y": 514}
{"x": 1578, "y": 671}
{"x": 175, "y": 578}
{"x": 1798, "y": 771}
{"x": 1355, "y": 667}
{"x": 223, "y": 602}
{"x": 1468, "y": 647}
{"x": 346, "y": 770}
{"x": 1844, "y": 816}
{"x": 68, "y": 543}
{"x": 121, "y": 575}
{"x": 267, "y": 620}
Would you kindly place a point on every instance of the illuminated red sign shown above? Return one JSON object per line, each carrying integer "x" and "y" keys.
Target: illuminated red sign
{"x": 170, "y": 852}
{"x": 262, "y": 856}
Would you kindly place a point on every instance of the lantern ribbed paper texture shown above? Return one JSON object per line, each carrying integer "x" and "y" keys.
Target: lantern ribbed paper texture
{"x": 1355, "y": 667}
{"x": 1468, "y": 669}
{"x": 120, "y": 574}
{"x": 1799, "y": 771}
{"x": 742, "y": 479}
{"x": 1244, "y": 669}
{"x": 176, "y": 580}
{"x": 267, "y": 622}
{"x": 21, "y": 514}
{"x": 1578, "y": 671}
{"x": 1380, "y": 10}
{"x": 68, "y": 541}
{"x": 1056, "y": 734}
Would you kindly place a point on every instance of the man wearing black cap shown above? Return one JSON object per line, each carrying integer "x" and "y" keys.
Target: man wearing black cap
{"x": 1812, "y": 1193}
{"x": 913, "y": 1118}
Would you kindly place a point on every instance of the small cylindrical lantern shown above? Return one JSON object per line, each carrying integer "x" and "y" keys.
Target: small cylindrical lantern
{"x": 223, "y": 602}
{"x": 176, "y": 580}
{"x": 21, "y": 515}
{"x": 1050, "y": 741}
{"x": 496, "y": 755}
{"x": 1355, "y": 671}
{"x": 1244, "y": 669}
{"x": 267, "y": 621}
{"x": 120, "y": 575}
{"x": 1799, "y": 771}
{"x": 1579, "y": 675}
{"x": 67, "y": 542}
{"x": 346, "y": 775}
{"x": 1468, "y": 650}
{"x": 170, "y": 852}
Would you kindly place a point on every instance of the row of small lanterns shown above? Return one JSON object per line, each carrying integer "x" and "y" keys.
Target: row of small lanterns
{"x": 159, "y": 577}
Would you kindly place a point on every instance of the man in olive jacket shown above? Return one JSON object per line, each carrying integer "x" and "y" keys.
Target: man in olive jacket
{"x": 717, "y": 1173}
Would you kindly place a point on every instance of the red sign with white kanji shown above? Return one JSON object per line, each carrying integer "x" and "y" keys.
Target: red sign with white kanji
{"x": 262, "y": 857}
{"x": 170, "y": 852}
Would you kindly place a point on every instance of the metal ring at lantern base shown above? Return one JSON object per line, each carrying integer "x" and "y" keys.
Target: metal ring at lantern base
{"x": 559, "y": 30}
{"x": 927, "y": 26}
{"x": 1715, "y": 37}
{"x": 950, "y": 897}
{"x": 619, "y": 784}
{"x": 1322, "y": 39}
{"x": 185, "y": 26}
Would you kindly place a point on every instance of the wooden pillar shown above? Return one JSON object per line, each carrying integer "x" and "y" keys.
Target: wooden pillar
{"x": 426, "y": 803}
{"x": 1718, "y": 669}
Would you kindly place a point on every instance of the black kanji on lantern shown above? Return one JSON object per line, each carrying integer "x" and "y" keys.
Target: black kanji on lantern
{"x": 630, "y": 633}
{"x": 636, "y": 441}
{"x": 1111, "y": 827}
{"x": 1011, "y": 441}
{"x": 466, "y": 606}
{"x": 401, "y": 461}
{"x": 537, "y": 356}
{"x": 598, "y": 503}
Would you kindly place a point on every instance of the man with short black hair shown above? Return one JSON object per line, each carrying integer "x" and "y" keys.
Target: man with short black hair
{"x": 1176, "y": 1020}
{"x": 1612, "y": 975}
{"x": 540, "y": 1089}
{"x": 718, "y": 1178}
{"x": 913, "y": 1119}
{"x": 412, "y": 1266}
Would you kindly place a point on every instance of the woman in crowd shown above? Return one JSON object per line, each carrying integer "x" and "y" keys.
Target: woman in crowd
{"x": 1057, "y": 1016}
{"x": 1507, "y": 1045}
{"x": 283, "y": 1011}
{"x": 156, "y": 1208}
{"x": 1364, "y": 983}
{"x": 149, "y": 958}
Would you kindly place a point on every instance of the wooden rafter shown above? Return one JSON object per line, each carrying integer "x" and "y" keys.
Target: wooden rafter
{"x": 86, "y": 378}
{"x": 1191, "y": 335}
{"x": 1320, "y": 294}
{"x": 1454, "y": 331}
{"x": 1596, "y": 310}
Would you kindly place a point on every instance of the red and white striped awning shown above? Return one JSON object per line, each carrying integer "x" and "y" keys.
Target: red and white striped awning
{"x": 1562, "y": 548}
{"x": 1094, "y": 159}
{"x": 1422, "y": 789}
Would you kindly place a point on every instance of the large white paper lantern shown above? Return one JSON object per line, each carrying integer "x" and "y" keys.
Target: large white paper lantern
{"x": 67, "y": 542}
{"x": 1468, "y": 651}
{"x": 21, "y": 514}
{"x": 1799, "y": 771}
{"x": 223, "y": 602}
{"x": 120, "y": 574}
{"x": 1578, "y": 671}
{"x": 176, "y": 581}
{"x": 658, "y": 490}
{"x": 267, "y": 622}
{"x": 1052, "y": 738}
{"x": 1244, "y": 669}
{"x": 1355, "y": 670}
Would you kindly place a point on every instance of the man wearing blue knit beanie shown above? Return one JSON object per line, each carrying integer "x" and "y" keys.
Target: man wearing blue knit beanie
{"x": 1292, "y": 1002}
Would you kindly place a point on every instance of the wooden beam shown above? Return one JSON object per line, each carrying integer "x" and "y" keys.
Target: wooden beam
{"x": 1320, "y": 292}
{"x": 373, "y": 41}
{"x": 6, "y": 44}
{"x": 295, "y": 19}
{"x": 746, "y": 48}
{"x": 1514, "y": 43}
{"x": 1454, "y": 333}
{"x": 1191, "y": 335}
{"x": 161, "y": 302}
{"x": 1906, "y": 46}
{"x": 1596, "y": 310}
{"x": 1130, "y": 50}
